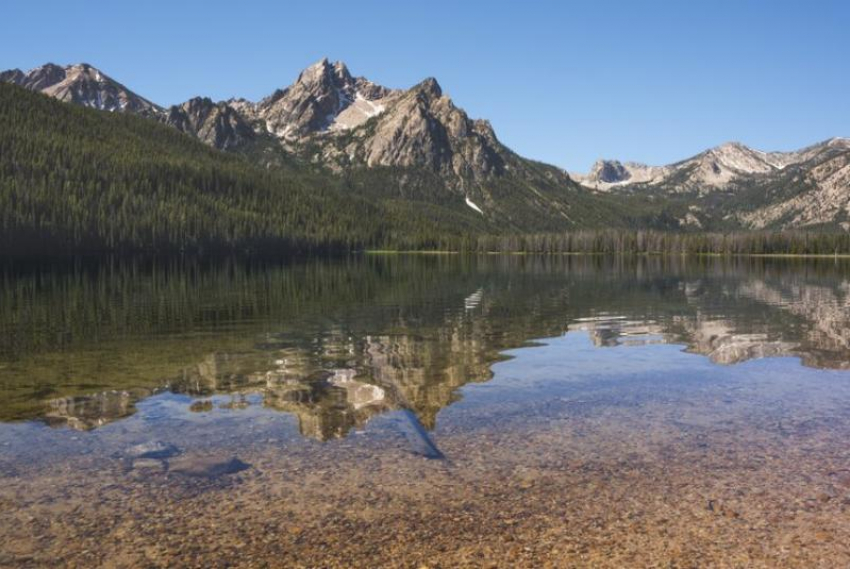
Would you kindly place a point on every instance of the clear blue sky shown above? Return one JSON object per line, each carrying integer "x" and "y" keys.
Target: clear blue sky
{"x": 563, "y": 82}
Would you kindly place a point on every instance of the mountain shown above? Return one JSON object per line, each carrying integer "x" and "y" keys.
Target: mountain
{"x": 710, "y": 170}
{"x": 324, "y": 98}
{"x": 76, "y": 180}
{"x": 412, "y": 146}
{"x": 416, "y": 154}
{"x": 733, "y": 186}
{"x": 321, "y": 117}
{"x": 811, "y": 190}
{"x": 83, "y": 85}
{"x": 329, "y": 116}
{"x": 216, "y": 124}
{"x": 716, "y": 168}
{"x": 607, "y": 174}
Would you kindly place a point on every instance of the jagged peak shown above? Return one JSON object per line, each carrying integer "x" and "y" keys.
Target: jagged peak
{"x": 324, "y": 72}
{"x": 315, "y": 72}
{"x": 238, "y": 101}
{"x": 731, "y": 152}
{"x": 49, "y": 66}
{"x": 199, "y": 100}
{"x": 44, "y": 76}
{"x": 64, "y": 70}
{"x": 603, "y": 161}
{"x": 733, "y": 145}
{"x": 430, "y": 87}
{"x": 15, "y": 76}
{"x": 341, "y": 69}
{"x": 609, "y": 171}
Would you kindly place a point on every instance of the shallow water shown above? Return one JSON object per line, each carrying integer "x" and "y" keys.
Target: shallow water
{"x": 436, "y": 411}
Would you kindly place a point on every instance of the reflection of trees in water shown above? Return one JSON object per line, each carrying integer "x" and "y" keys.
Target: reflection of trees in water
{"x": 336, "y": 343}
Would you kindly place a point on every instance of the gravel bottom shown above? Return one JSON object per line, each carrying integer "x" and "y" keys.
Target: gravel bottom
{"x": 591, "y": 485}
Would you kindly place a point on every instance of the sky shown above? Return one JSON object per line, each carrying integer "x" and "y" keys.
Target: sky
{"x": 562, "y": 82}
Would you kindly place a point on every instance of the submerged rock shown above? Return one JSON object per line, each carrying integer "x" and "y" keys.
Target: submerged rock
{"x": 207, "y": 466}
{"x": 150, "y": 465}
{"x": 152, "y": 449}
{"x": 204, "y": 406}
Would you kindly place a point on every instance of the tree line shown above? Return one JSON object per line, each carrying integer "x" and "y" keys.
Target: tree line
{"x": 617, "y": 241}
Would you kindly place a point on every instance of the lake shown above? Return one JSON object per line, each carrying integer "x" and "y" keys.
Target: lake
{"x": 426, "y": 410}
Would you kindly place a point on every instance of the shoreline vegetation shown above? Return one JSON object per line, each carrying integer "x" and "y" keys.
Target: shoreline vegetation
{"x": 788, "y": 245}
{"x": 651, "y": 242}
{"x": 591, "y": 254}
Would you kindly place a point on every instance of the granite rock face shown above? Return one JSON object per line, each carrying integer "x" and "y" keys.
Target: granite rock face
{"x": 216, "y": 124}
{"x": 609, "y": 171}
{"x": 425, "y": 128}
{"x": 346, "y": 121}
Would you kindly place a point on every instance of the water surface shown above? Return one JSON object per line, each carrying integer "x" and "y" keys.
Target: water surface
{"x": 426, "y": 410}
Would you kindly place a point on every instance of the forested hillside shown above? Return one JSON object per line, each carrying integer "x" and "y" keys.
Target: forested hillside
{"x": 75, "y": 180}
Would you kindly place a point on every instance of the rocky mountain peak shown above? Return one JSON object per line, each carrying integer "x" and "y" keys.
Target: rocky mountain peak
{"x": 324, "y": 97}
{"x": 324, "y": 74}
{"x": 609, "y": 171}
{"x": 732, "y": 146}
{"x": 718, "y": 166}
{"x": 44, "y": 77}
{"x": 608, "y": 174}
{"x": 217, "y": 124}
{"x": 15, "y": 76}
{"x": 429, "y": 88}
{"x": 35, "y": 79}
{"x": 422, "y": 127}
{"x": 81, "y": 84}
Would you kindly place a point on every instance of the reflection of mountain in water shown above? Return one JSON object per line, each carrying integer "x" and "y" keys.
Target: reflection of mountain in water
{"x": 715, "y": 339}
{"x": 335, "y": 385}
{"x": 91, "y": 411}
{"x": 732, "y": 322}
{"x": 338, "y": 343}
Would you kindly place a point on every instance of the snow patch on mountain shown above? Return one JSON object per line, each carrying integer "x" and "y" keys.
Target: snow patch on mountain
{"x": 355, "y": 112}
{"x": 473, "y": 206}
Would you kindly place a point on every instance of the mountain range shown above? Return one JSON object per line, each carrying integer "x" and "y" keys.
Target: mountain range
{"x": 415, "y": 149}
{"x": 735, "y": 185}
{"x": 321, "y": 117}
